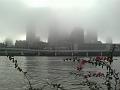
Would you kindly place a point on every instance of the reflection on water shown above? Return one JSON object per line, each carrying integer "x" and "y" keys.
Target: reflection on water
{"x": 40, "y": 69}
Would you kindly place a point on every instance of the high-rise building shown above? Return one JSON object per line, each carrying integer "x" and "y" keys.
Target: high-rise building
{"x": 109, "y": 40}
{"x": 8, "y": 42}
{"x": 30, "y": 34}
{"x": 77, "y": 38}
{"x": 54, "y": 36}
{"x": 32, "y": 40}
{"x": 91, "y": 37}
{"x": 58, "y": 39}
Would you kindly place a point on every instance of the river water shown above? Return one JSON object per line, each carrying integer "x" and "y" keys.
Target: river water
{"x": 40, "y": 70}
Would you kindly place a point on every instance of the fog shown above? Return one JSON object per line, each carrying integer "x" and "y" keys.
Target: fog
{"x": 102, "y": 16}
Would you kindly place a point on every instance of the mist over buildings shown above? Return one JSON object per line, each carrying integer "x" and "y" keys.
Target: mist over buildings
{"x": 63, "y": 16}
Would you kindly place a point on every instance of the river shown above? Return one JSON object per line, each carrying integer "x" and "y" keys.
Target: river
{"x": 40, "y": 70}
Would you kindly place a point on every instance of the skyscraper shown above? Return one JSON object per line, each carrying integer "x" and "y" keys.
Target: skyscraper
{"x": 91, "y": 37}
{"x": 57, "y": 38}
{"x": 54, "y": 33}
{"x": 31, "y": 39}
{"x": 109, "y": 40}
{"x": 53, "y": 37}
{"x": 30, "y": 34}
{"x": 77, "y": 36}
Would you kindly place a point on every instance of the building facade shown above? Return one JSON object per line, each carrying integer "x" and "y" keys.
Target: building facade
{"x": 91, "y": 37}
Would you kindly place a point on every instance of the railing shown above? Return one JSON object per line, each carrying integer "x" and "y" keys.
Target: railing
{"x": 18, "y": 49}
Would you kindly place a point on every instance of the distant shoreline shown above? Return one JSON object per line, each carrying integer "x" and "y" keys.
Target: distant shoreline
{"x": 54, "y": 54}
{"x": 33, "y": 52}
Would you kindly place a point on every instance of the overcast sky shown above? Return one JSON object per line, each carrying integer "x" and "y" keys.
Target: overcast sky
{"x": 99, "y": 15}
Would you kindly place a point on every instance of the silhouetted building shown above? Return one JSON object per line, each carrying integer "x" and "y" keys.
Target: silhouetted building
{"x": 91, "y": 37}
{"x": 99, "y": 42}
{"x": 91, "y": 46}
{"x": 109, "y": 40}
{"x": 77, "y": 38}
{"x": 21, "y": 44}
{"x": 2, "y": 45}
{"x": 30, "y": 35}
{"x": 37, "y": 45}
{"x": 53, "y": 37}
{"x": 32, "y": 41}
{"x": 58, "y": 40}
{"x": 8, "y": 42}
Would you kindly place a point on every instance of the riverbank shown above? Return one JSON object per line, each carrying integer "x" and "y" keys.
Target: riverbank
{"x": 82, "y": 54}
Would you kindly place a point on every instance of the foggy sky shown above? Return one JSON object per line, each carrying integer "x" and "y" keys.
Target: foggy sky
{"x": 99, "y": 15}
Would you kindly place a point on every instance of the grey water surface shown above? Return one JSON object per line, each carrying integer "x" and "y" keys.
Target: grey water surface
{"x": 40, "y": 70}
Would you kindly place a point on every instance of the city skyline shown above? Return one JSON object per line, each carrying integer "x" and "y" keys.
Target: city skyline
{"x": 59, "y": 45}
{"x": 102, "y": 16}
{"x": 24, "y": 37}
